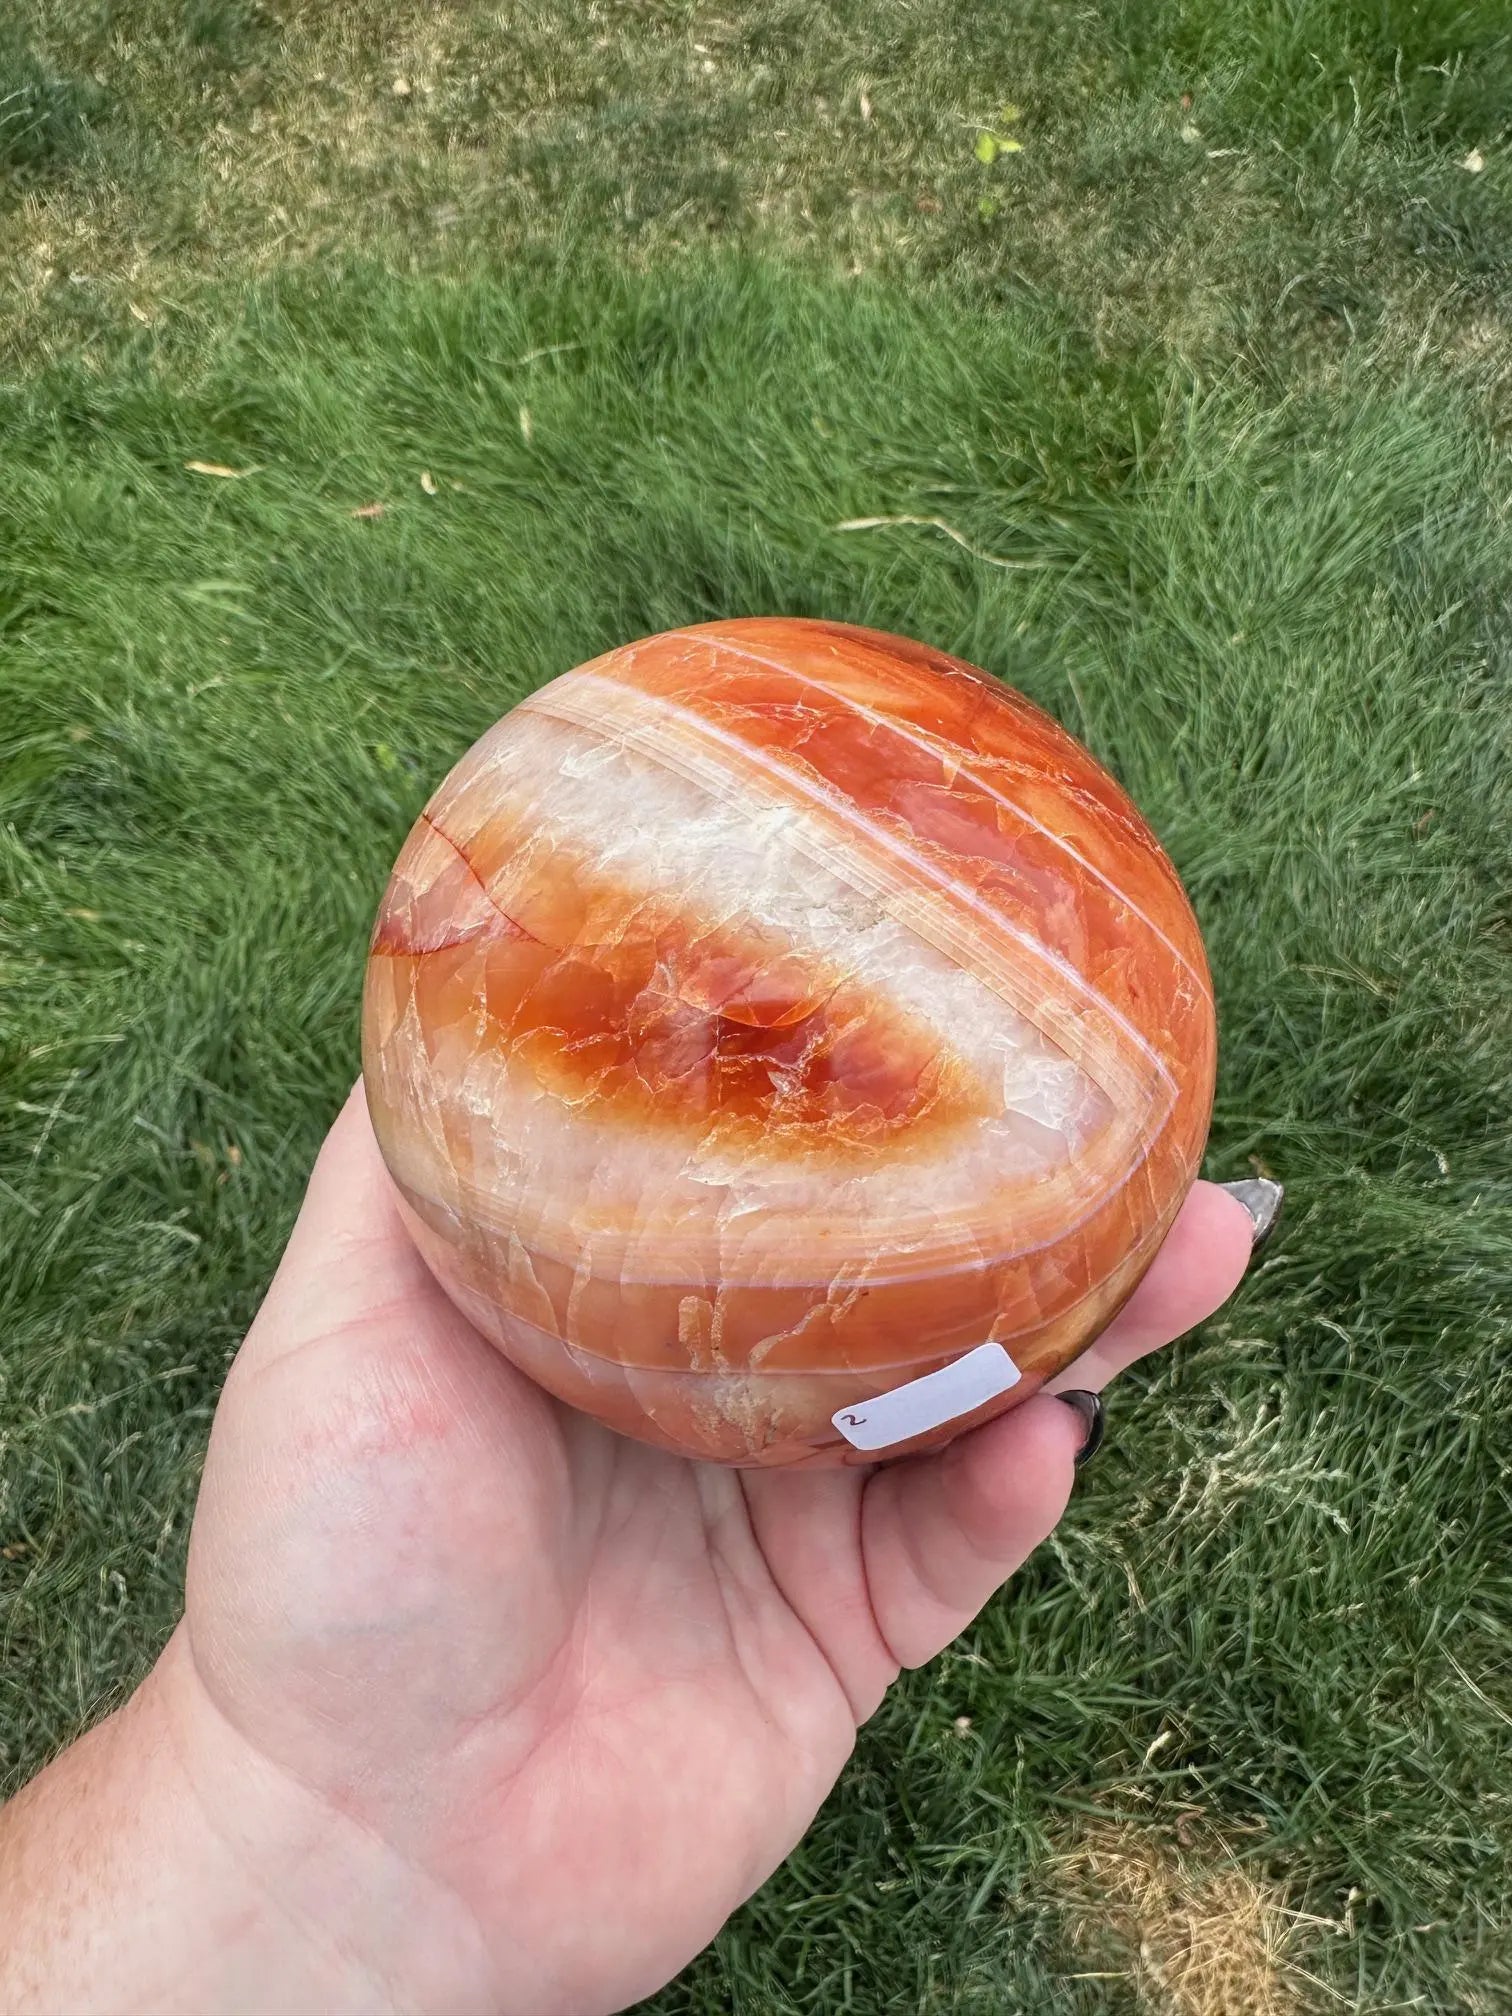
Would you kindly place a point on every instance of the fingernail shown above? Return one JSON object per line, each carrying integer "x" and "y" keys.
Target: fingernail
{"x": 1090, "y": 1407}
{"x": 1262, "y": 1199}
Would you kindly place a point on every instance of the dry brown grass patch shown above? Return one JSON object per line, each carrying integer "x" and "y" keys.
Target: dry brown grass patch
{"x": 1197, "y": 1933}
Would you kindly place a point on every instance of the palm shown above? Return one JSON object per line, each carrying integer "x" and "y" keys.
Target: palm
{"x": 590, "y": 1692}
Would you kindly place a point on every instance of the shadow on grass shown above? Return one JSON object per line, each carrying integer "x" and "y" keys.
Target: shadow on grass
{"x": 46, "y": 116}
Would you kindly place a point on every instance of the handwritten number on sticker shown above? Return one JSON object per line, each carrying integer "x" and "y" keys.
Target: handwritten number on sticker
{"x": 921, "y": 1405}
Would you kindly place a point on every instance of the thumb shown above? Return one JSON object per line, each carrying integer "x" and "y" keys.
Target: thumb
{"x": 349, "y": 1257}
{"x": 941, "y": 1533}
{"x": 1196, "y": 1270}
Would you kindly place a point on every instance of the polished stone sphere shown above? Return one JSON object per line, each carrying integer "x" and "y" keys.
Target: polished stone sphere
{"x": 789, "y": 1045}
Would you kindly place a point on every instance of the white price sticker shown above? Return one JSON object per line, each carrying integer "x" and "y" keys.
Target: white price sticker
{"x": 928, "y": 1402}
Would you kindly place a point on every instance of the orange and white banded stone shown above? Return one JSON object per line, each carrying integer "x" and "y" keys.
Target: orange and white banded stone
{"x": 768, "y": 1013}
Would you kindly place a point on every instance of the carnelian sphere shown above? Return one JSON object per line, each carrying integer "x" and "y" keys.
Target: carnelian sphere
{"x": 768, "y": 1014}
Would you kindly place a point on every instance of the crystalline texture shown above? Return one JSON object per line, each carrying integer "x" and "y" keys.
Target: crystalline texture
{"x": 767, "y": 1013}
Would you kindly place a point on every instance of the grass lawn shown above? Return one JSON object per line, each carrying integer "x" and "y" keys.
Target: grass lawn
{"x": 1211, "y": 336}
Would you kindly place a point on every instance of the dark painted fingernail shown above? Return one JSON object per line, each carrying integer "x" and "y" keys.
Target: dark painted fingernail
{"x": 1262, "y": 1199}
{"x": 1090, "y": 1408}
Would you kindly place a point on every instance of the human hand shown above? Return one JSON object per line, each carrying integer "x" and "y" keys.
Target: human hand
{"x": 486, "y": 1707}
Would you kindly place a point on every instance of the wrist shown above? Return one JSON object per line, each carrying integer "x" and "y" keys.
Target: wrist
{"x": 163, "y": 1863}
